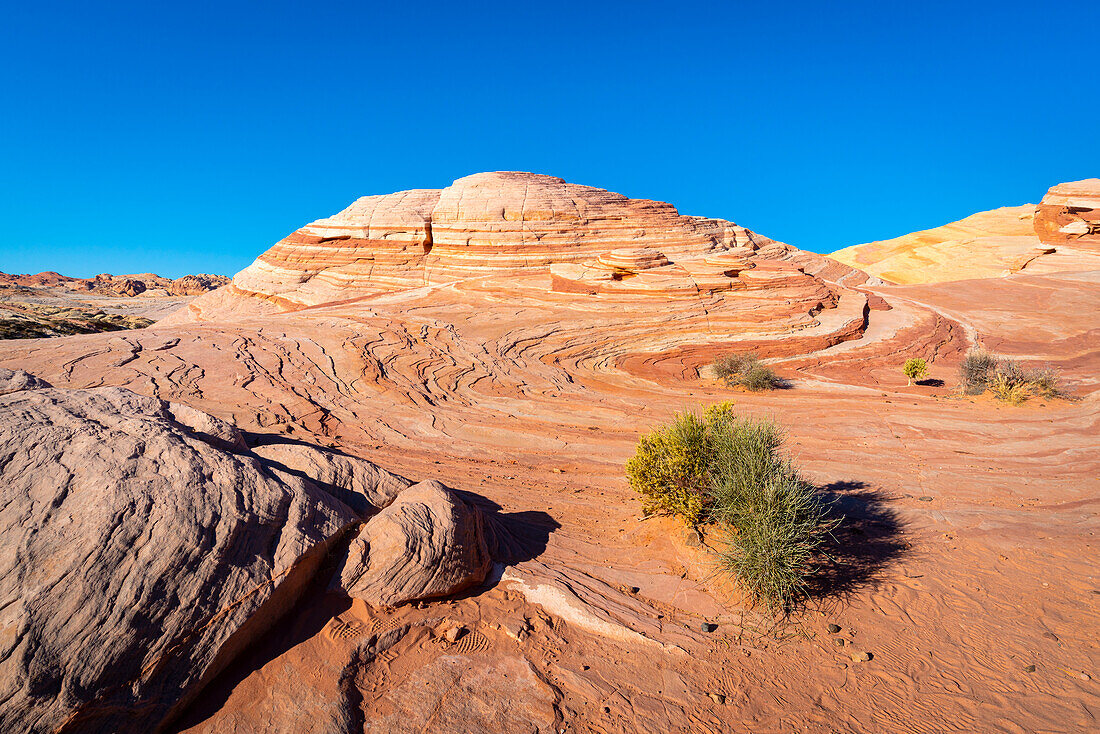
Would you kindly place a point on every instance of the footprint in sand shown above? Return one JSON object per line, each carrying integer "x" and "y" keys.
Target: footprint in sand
{"x": 471, "y": 642}
{"x": 340, "y": 630}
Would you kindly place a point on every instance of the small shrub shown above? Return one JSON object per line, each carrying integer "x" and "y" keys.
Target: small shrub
{"x": 1046, "y": 383}
{"x": 1008, "y": 390}
{"x": 669, "y": 468}
{"x": 731, "y": 470}
{"x": 976, "y": 371}
{"x": 915, "y": 368}
{"x": 747, "y": 371}
{"x": 773, "y": 520}
{"x": 1006, "y": 379}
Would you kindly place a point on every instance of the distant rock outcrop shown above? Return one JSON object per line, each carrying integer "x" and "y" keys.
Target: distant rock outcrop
{"x": 146, "y": 547}
{"x": 119, "y": 285}
{"x": 1070, "y": 214}
{"x": 982, "y": 245}
{"x": 1061, "y": 234}
{"x": 196, "y": 285}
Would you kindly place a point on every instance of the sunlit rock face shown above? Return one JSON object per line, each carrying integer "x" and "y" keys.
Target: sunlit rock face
{"x": 1070, "y": 214}
{"x": 481, "y": 225}
{"x": 490, "y": 223}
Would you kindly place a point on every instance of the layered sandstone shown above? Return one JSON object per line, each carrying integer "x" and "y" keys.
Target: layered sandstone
{"x": 482, "y": 225}
{"x": 983, "y": 245}
{"x": 1069, "y": 214}
{"x": 1061, "y": 234}
{"x": 146, "y": 547}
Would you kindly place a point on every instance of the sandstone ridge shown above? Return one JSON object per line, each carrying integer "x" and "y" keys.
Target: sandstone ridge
{"x": 1061, "y": 234}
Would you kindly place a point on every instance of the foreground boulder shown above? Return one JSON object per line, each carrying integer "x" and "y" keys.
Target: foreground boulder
{"x": 145, "y": 547}
{"x": 428, "y": 543}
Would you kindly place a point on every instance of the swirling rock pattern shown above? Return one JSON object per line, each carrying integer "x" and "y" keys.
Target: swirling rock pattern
{"x": 146, "y": 547}
{"x": 531, "y": 396}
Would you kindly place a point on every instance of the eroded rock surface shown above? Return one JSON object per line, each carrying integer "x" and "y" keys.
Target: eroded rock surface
{"x": 1070, "y": 214}
{"x": 146, "y": 547}
{"x": 428, "y": 543}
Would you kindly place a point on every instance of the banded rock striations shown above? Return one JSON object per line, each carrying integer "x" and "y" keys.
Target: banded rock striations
{"x": 1069, "y": 214}
{"x": 482, "y": 225}
{"x": 146, "y": 547}
{"x": 531, "y": 238}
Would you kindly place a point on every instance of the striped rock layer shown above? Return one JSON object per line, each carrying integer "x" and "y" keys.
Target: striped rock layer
{"x": 481, "y": 225}
{"x": 1070, "y": 214}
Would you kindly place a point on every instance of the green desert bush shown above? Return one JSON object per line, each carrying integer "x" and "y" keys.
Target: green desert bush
{"x": 670, "y": 466}
{"x": 731, "y": 471}
{"x": 915, "y": 368}
{"x": 747, "y": 371}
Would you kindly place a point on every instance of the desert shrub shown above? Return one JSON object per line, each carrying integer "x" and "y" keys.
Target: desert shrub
{"x": 773, "y": 521}
{"x": 1046, "y": 383}
{"x": 915, "y": 368}
{"x": 1008, "y": 390}
{"x": 1015, "y": 384}
{"x": 669, "y": 468}
{"x": 976, "y": 370}
{"x": 731, "y": 471}
{"x": 747, "y": 371}
{"x": 1006, "y": 379}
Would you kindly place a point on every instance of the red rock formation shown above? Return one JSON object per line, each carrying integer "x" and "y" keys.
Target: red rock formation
{"x": 122, "y": 285}
{"x": 127, "y": 287}
{"x": 146, "y": 547}
{"x": 481, "y": 225}
{"x": 1070, "y": 214}
{"x": 196, "y": 285}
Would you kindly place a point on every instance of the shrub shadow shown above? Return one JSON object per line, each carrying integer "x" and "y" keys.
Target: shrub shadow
{"x": 931, "y": 382}
{"x": 867, "y": 539}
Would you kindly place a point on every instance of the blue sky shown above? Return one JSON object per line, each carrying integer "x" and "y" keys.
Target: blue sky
{"x": 189, "y": 137}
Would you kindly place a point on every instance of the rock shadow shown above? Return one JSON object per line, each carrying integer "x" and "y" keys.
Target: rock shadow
{"x": 867, "y": 539}
{"x": 511, "y": 537}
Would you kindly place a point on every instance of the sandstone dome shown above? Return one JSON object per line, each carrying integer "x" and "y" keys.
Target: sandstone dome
{"x": 481, "y": 225}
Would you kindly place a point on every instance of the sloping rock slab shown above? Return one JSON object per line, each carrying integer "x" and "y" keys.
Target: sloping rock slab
{"x": 139, "y": 556}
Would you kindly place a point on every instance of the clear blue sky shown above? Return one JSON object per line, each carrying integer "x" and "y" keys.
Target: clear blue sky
{"x": 190, "y": 136}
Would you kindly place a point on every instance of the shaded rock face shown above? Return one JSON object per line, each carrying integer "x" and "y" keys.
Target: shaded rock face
{"x": 1070, "y": 214}
{"x": 146, "y": 547}
{"x": 17, "y": 380}
{"x": 481, "y": 225}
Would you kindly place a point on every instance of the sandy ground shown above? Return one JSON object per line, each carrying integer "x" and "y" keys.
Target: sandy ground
{"x": 970, "y": 552}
